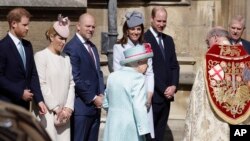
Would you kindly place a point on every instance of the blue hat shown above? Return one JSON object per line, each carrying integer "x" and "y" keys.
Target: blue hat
{"x": 134, "y": 19}
{"x": 137, "y": 53}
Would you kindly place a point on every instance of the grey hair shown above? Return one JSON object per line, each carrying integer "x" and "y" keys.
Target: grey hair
{"x": 132, "y": 64}
{"x": 217, "y": 31}
{"x": 240, "y": 19}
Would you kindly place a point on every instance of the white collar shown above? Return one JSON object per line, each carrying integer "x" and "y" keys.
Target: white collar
{"x": 14, "y": 38}
{"x": 80, "y": 38}
{"x": 153, "y": 32}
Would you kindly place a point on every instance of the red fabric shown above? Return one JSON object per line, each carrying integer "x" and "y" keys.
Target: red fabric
{"x": 225, "y": 95}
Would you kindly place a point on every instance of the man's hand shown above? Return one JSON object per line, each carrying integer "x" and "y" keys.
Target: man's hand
{"x": 27, "y": 95}
{"x": 169, "y": 92}
{"x": 42, "y": 108}
{"x": 98, "y": 101}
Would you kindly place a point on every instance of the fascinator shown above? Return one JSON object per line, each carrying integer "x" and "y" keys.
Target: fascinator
{"x": 62, "y": 26}
{"x": 134, "y": 18}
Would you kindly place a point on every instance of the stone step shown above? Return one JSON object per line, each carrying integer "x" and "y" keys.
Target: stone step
{"x": 175, "y": 130}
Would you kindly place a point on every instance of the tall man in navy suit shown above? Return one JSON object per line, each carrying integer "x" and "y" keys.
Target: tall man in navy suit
{"x": 165, "y": 67}
{"x": 19, "y": 83}
{"x": 89, "y": 85}
{"x": 236, "y": 28}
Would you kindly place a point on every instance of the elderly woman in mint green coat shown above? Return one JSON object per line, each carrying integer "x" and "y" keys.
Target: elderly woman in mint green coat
{"x": 125, "y": 98}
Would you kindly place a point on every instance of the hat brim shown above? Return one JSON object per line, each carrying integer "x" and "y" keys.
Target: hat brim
{"x": 136, "y": 58}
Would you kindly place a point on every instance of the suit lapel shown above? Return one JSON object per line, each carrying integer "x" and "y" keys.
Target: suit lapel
{"x": 28, "y": 55}
{"x": 165, "y": 43}
{"x": 155, "y": 44}
{"x": 96, "y": 57}
{"x": 85, "y": 53}
{"x": 152, "y": 38}
{"x": 15, "y": 52}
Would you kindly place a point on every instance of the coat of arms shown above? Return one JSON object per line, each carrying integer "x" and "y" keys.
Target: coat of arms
{"x": 227, "y": 89}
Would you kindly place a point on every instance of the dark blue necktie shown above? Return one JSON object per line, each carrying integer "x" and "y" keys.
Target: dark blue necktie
{"x": 160, "y": 44}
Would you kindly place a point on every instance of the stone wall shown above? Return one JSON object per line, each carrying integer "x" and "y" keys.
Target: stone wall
{"x": 187, "y": 24}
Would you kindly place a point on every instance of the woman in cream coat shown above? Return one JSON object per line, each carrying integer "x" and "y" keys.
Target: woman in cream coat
{"x": 56, "y": 80}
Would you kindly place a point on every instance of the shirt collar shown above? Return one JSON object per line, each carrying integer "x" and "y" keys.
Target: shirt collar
{"x": 14, "y": 38}
{"x": 81, "y": 38}
{"x": 237, "y": 42}
{"x": 153, "y": 32}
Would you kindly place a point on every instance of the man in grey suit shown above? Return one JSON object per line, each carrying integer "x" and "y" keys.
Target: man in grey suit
{"x": 236, "y": 28}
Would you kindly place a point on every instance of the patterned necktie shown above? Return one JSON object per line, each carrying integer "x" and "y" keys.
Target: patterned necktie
{"x": 160, "y": 44}
{"x": 22, "y": 53}
{"x": 90, "y": 52}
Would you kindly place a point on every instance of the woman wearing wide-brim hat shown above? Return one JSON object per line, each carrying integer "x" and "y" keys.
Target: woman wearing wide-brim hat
{"x": 125, "y": 98}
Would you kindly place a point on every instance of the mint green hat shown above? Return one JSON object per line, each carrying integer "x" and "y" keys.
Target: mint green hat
{"x": 137, "y": 53}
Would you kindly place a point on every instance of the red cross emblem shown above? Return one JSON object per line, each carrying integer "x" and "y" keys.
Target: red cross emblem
{"x": 216, "y": 72}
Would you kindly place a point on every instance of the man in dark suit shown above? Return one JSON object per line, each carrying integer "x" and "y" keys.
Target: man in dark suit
{"x": 19, "y": 83}
{"x": 165, "y": 67}
{"x": 89, "y": 85}
{"x": 236, "y": 28}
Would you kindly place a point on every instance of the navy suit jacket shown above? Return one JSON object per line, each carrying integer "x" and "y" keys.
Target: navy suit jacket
{"x": 88, "y": 79}
{"x": 246, "y": 45}
{"x": 166, "y": 71}
{"x": 14, "y": 78}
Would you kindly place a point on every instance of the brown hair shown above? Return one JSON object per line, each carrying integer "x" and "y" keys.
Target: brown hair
{"x": 124, "y": 38}
{"x": 158, "y": 8}
{"x": 49, "y": 32}
{"x": 16, "y": 15}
